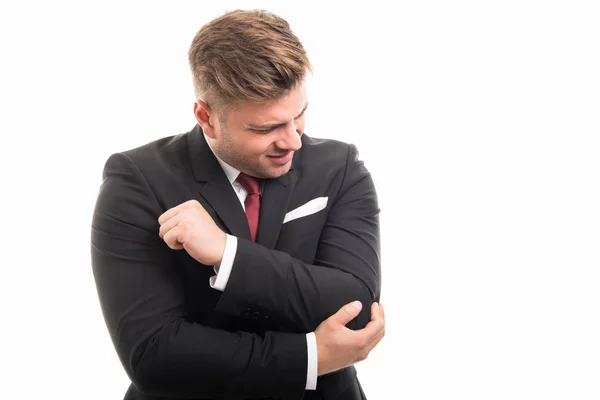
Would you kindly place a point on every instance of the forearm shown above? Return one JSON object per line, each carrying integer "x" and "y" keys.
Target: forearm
{"x": 190, "y": 360}
{"x": 296, "y": 294}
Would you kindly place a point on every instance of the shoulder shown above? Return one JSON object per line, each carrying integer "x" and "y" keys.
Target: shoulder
{"x": 165, "y": 153}
{"x": 325, "y": 153}
{"x": 330, "y": 166}
{"x": 162, "y": 150}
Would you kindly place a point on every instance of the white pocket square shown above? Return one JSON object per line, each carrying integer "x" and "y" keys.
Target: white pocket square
{"x": 313, "y": 206}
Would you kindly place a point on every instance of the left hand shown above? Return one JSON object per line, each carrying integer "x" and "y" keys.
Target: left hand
{"x": 188, "y": 226}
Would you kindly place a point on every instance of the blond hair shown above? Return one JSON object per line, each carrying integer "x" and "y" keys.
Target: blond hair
{"x": 246, "y": 55}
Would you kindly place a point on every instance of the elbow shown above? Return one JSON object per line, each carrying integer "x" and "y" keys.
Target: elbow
{"x": 146, "y": 370}
{"x": 163, "y": 367}
{"x": 167, "y": 379}
{"x": 364, "y": 317}
{"x": 366, "y": 297}
{"x": 142, "y": 379}
{"x": 153, "y": 368}
{"x": 154, "y": 376}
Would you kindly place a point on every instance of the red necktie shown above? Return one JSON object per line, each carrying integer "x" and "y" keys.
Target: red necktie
{"x": 252, "y": 203}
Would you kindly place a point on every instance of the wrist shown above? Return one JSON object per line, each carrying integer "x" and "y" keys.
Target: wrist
{"x": 220, "y": 249}
{"x": 320, "y": 358}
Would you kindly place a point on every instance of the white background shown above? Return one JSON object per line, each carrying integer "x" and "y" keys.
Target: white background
{"x": 479, "y": 121}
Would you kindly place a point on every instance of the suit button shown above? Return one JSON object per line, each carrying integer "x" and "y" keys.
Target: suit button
{"x": 255, "y": 315}
{"x": 247, "y": 313}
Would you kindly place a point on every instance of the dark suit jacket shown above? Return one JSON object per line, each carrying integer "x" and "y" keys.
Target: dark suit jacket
{"x": 179, "y": 338}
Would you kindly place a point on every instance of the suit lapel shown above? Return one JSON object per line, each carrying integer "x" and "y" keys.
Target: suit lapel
{"x": 214, "y": 187}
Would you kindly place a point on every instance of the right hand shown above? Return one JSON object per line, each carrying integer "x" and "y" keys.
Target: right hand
{"x": 189, "y": 226}
{"x": 339, "y": 347}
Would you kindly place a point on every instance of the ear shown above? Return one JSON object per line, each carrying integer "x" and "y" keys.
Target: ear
{"x": 206, "y": 118}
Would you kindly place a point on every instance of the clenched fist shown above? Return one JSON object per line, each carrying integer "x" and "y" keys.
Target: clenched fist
{"x": 188, "y": 226}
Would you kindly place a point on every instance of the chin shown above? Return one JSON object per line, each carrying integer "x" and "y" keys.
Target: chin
{"x": 273, "y": 173}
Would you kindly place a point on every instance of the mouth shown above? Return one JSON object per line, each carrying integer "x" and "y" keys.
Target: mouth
{"x": 282, "y": 158}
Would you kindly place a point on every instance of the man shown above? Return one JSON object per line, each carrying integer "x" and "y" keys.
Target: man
{"x": 233, "y": 261}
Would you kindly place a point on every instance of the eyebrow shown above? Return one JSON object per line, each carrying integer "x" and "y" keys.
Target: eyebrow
{"x": 274, "y": 126}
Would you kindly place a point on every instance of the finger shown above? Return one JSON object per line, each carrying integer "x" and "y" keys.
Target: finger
{"x": 172, "y": 238}
{"x": 347, "y": 313}
{"x": 375, "y": 309}
{"x": 366, "y": 348}
{"x": 375, "y": 316}
{"x": 374, "y": 327}
{"x": 382, "y": 311}
{"x": 169, "y": 224}
{"x": 376, "y": 340}
{"x": 170, "y": 213}
{"x": 378, "y": 327}
{"x": 375, "y": 312}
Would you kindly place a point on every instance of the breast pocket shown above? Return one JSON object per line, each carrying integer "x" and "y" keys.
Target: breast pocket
{"x": 309, "y": 208}
{"x": 302, "y": 228}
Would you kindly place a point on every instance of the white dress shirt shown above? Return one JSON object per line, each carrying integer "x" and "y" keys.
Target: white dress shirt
{"x": 223, "y": 271}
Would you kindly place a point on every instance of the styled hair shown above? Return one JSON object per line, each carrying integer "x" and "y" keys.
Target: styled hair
{"x": 246, "y": 55}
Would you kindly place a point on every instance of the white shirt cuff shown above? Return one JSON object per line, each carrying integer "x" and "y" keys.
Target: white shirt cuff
{"x": 223, "y": 271}
{"x": 313, "y": 361}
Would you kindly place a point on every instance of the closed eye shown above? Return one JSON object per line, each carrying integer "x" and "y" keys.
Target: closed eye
{"x": 267, "y": 128}
{"x": 262, "y": 130}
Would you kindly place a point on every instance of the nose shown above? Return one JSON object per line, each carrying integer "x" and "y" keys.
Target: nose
{"x": 290, "y": 138}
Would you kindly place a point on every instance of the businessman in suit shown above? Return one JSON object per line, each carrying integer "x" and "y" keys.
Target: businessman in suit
{"x": 241, "y": 259}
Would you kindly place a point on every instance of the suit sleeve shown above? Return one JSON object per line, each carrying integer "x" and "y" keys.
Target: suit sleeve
{"x": 346, "y": 268}
{"x": 142, "y": 301}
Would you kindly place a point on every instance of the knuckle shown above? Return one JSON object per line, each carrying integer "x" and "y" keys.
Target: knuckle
{"x": 363, "y": 355}
{"x": 184, "y": 236}
{"x": 366, "y": 339}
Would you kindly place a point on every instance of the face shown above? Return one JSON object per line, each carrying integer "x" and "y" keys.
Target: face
{"x": 258, "y": 139}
